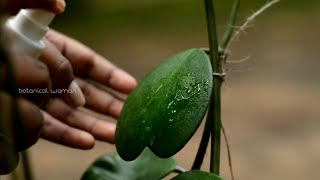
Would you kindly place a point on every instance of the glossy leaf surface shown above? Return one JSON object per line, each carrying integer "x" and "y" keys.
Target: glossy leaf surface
{"x": 167, "y": 106}
{"x": 197, "y": 175}
{"x": 146, "y": 166}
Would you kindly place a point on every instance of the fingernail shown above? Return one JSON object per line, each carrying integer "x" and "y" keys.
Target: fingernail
{"x": 61, "y": 5}
{"x": 77, "y": 97}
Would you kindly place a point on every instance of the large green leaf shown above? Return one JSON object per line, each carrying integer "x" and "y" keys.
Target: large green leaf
{"x": 166, "y": 108}
{"x": 147, "y": 166}
{"x": 197, "y": 175}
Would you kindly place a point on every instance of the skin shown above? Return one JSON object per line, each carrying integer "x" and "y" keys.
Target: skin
{"x": 70, "y": 126}
{"x": 54, "y": 117}
{"x": 13, "y": 6}
{"x": 61, "y": 122}
{"x": 22, "y": 130}
{"x": 60, "y": 69}
{"x": 28, "y": 73}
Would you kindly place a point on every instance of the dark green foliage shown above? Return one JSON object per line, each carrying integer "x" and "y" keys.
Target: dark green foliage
{"x": 167, "y": 106}
{"x": 146, "y": 166}
{"x": 197, "y": 175}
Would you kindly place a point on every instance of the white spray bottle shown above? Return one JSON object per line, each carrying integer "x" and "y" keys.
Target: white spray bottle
{"x": 25, "y": 32}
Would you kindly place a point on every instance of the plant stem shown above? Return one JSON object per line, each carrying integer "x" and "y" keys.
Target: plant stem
{"x": 215, "y": 104}
{"x": 203, "y": 144}
{"x": 250, "y": 19}
{"x": 229, "y": 31}
{"x": 228, "y": 151}
{"x": 215, "y": 129}
{"x": 27, "y": 171}
{"x": 206, "y": 133}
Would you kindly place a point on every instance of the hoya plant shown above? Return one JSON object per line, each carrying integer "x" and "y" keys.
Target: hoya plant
{"x": 164, "y": 111}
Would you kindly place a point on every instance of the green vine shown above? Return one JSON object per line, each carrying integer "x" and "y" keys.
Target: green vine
{"x": 215, "y": 103}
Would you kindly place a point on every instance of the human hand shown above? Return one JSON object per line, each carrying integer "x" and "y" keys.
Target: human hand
{"x": 20, "y": 129}
{"x": 20, "y": 120}
{"x": 73, "y": 127}
{"x": 13, "y": 6}
{"x": 63, "y": 123}
{"x": 60, "y": 69}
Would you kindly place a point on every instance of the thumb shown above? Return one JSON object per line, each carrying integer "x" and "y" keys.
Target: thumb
{"x": 55, "y": 6}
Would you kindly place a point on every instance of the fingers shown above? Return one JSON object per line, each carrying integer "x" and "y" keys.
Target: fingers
{"x": 58, "y": 132}
{"x": 62, "y": 75}
{"x": 8, "y": 154}
{"x": 60, "y": 68}
{"x": 110, "y": 75}
{"x": 100, "y": 101}
{"x": 7, "y": 164}
{"x": 55, "y": 6}
{"x": 18, "y": 130}
{"x": 74, "y": 128}
{"x": 86, "y": 63}
{"x": 23, "y": 126}
{"x": 27, "y": 128}
{"x": 32, "y": 79}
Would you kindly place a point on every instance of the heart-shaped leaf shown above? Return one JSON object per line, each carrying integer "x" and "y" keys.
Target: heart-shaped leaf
{"x": 167, "y": 107}
{"x": 146, "y": 166}
{"x": 197, "y": 175}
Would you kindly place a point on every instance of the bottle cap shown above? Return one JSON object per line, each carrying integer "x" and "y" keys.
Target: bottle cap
{"x": 27, "y": 30}
{"x": 32, "y": 23}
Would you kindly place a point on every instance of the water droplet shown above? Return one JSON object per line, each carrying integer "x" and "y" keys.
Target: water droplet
{"x": 170, "y": 104}
{"x": 158, "y": 88}
{"x": 152, "y": 140}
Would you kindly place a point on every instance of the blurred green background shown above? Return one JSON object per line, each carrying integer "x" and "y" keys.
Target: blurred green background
{"x": 149, "y": 31}
{"x": 271, "y": 106}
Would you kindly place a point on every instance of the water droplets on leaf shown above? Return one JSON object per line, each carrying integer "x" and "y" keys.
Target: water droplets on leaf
{"x": 206, "y": 82}
{"x": 148, "y": 100}
{"x": 156, "y": 89}
{"x": 170, "y": 104}
{"x": 171, "y": 121}
{"x": 198, "y": 88}
{"x": 167, "y": 93}
{"x": 190, "y": 86}
{"x": 152, "y": 140}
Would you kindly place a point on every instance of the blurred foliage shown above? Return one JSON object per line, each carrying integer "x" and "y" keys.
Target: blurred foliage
{"x": 112, "y": 167}
{"x": 129, "y": 29}
{"x": 100, "y": 16}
